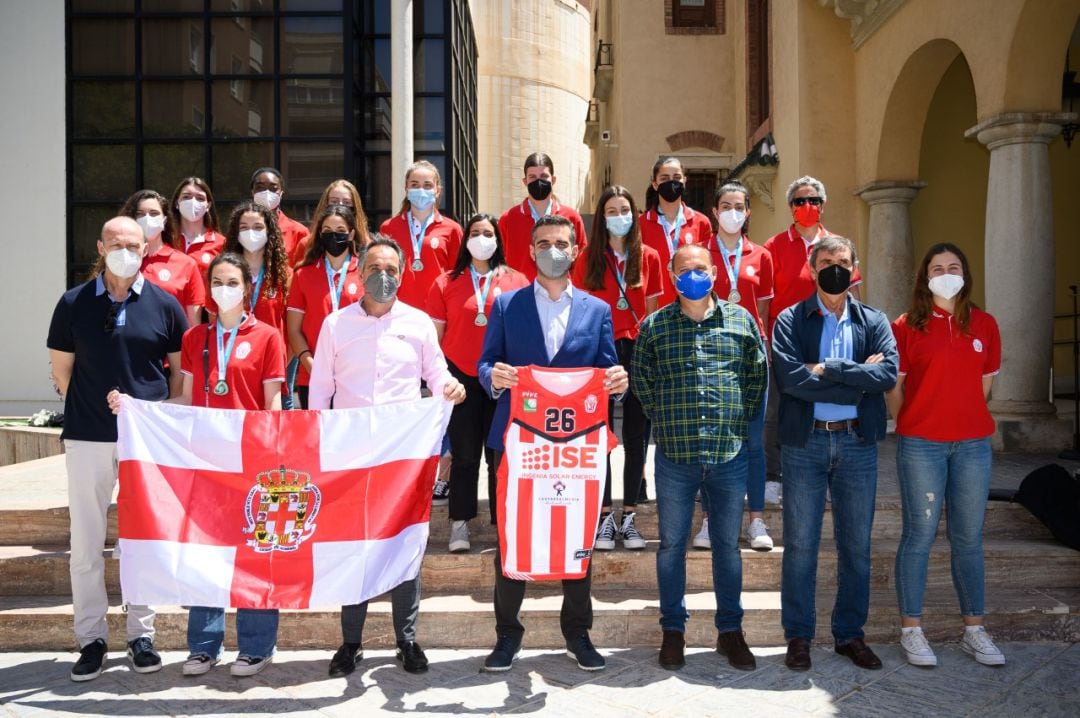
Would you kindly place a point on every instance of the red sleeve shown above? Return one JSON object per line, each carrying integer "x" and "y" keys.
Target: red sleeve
{"x": 654, "y": 283}
{"x": 299, "y": 251}
{"x": 705, "y": 232}
{"x": 454, "y": 244}
{"x": 194, "y": 292}
{"x": 993, "y": 347}
{"x": 900, "y": 331}
{"x": 295, "y": 298}
{"x": 579, "y": 229}
{"x": 436, "y": 302}
{"x": 189, "y": 350}
{"x": 578, "y": 276}
{"x": 274, "y": 356}
{"x": 766, "y": 276}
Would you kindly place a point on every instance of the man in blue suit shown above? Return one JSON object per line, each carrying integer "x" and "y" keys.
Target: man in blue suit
{"x": 548, "y": 324}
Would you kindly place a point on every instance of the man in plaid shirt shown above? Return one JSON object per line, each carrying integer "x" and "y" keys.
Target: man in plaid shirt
{"x": 699, "y": 370}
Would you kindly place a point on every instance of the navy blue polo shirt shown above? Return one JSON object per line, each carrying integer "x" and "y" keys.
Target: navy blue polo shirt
{"x": 131, "y": 357}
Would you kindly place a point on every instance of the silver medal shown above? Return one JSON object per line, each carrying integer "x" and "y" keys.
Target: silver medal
{"x": 734, "y": 297}
{"x": 622, "y": 304}
{"x": 417, "y": 265}
{"x": 221, "y": 388}
{"x": 481, "y": 320}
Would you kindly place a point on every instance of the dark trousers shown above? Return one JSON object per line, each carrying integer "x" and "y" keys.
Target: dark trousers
{"x": 404, "y": 607}
{"x": 575, "y": 618}
{"x": 469, "y": 427}
{"x": 301, "y": 396}
{"x": 634, "y": 437}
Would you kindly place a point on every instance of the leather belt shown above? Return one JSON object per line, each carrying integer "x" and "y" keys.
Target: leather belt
{"x": 836, "y": 425}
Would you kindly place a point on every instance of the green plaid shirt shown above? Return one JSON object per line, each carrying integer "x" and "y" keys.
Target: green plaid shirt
{"x": 699, "y": 383}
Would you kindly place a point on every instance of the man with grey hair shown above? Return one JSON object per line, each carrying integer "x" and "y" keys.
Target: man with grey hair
{"x": 834, "y": 359}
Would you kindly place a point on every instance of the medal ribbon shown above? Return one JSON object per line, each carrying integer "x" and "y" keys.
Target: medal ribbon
{"x": 258, "y": 287}
{"x": 223, "y": 353}
{"x": 481, "y": 297}
{"x": 732, "y": 268}
{"x": 618, "y": 272}
{"x": 417, "y": 237}
{"x": 335, "y": 292}
{"x": 672, "y": 234}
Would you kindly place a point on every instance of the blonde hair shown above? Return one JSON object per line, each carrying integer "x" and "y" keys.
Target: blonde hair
{"x": 420, "y": 165}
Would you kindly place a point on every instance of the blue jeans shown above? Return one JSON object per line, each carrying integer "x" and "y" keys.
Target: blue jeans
{"x": 256, "y": 631}
{"x": 722, "y": 487}
{"x": 755, "y": 458}
{"x": 846, "y": 465}
{"x": 933, "y": 473}
{"x": 289, "y": 400}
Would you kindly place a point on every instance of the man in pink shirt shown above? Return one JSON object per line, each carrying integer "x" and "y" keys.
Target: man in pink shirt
{"x": 376, "y": 351}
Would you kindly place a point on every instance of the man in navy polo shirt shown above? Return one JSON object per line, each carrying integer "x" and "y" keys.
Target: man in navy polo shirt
{"x": 114, "y": 331}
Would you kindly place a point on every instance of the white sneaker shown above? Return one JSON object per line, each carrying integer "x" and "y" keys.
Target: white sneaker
{"x": 772, "y": 492}
{"x": 459, "y": 537}
{"x": 702, "y": 539}
{"x": 198, "y": 665}
{"x": 605, "y": 534}
{"x": 758, "y": 534}
{"x": 249, "y": 665}
{"x": 977, "y": 643}
{"x": 631, "y": 539}
{"x": 918, "y": 650}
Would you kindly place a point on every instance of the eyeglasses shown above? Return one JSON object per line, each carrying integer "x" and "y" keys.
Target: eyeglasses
{"x": 800, "y": 201}
{"x": 110, "y": 318}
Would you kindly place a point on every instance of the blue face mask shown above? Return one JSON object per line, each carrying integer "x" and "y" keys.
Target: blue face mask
{"x": 694, "y": 284}
{"x": 422, "y": 199}
{"x": 619, "y": 225}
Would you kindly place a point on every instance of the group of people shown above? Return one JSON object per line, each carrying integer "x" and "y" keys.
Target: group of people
{"x": 719, "y": 348}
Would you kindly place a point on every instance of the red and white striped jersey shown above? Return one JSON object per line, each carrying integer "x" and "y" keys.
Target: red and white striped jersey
{"x": 551, "y": 478}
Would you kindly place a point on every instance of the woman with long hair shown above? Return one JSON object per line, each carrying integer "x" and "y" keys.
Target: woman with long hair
{"x": 194, "y": 218}
{"x": 344, "y": 193}
{"x": 950, "y": 351}
{"x": 617, "y": 268}
{"x": 253, "y": 234}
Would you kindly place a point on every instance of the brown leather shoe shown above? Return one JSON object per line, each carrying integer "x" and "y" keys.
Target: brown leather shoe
{"x": 860, "y": 654}
{"x": 798, "y": 654}
{"x": 733, "y": 645}
{"x": 671, "y": 651}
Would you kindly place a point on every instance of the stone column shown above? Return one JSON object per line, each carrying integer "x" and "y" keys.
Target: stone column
{"x": 1019, "y": 279}
{"x": 890, "y": 263}
{"x": 401, "y": 88}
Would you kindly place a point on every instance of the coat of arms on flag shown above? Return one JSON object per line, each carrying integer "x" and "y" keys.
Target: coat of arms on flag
{"x": 274, "y": 509}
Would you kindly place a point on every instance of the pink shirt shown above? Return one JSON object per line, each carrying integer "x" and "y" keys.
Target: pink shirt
{"x": 365, "y": 360}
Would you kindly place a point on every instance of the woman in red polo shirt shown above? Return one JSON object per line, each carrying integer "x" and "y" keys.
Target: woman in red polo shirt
{"x": 668, "y": 222}
{"x": 193, "y": 211}
{"x": 617, "y": 268}
{"x": 950, "y": 351}
{"x": 459, "y": 303}
{"x": 327, "y": 280}
{"x": 430, "y": 242}
{"x": 735, "y": 256}
{"x": 173, "y": 271}
{"x": 267, "y": 189}
{"x": 253, "y": 233}
{"x": 516, "y": 223}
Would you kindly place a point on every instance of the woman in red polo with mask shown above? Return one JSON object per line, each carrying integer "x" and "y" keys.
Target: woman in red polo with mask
{"x": 194, "y": 218}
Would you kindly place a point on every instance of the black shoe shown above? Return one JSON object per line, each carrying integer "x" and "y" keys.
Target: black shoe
{"x": 344, "y": 661}
{"x": 798, "y": 654}
{"x": 859, "y": 653}
{"x": 671, "y": 651}
{"x": 643, "y": 492}
{"x": 588, "y": 659}
{"x": 144, "y": 659}
{"x": 91, "y": 658}
{"x": 502, "y": 656}
{"x": 733, "y": 645}
{"x": 412, "y": 657}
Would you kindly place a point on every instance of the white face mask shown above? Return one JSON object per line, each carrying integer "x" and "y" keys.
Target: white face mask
{"x": 732, "y": 220}
{"x": 481, "y": 246}
{"x": 946, "y": 286}
{"x": 227, "y": 297}
{"x": 252, "y": 239}
{"x": 123, "y": 263}
{"x": 268, "y": 198}
{"x": 152, "y": 225}
{"x": 192, "y": 209}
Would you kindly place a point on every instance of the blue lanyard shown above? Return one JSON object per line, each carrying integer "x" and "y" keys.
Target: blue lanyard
{"x": 223, "y": 353}
{"x": 618, "y": 272}
{"x": 535, "y": 215}
{"x": 481, "y": 297}
{"x": 732, "y": 271}
{"x": 258, "y": 287}
{"x": 418, "y": 237}
{"x": 335, "y": 292}
{"x": 672, "y": 234}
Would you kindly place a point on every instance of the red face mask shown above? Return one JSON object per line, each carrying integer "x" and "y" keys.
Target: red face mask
{"x": 808, "y": 215}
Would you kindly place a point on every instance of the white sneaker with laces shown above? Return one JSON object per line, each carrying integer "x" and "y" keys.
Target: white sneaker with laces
{"x": 459, "y": 537}
{"x": 249, "y": 665}
{"x": 605, "y": 534}
{"x": 758, "y": 534}
{"x": 440, "y": 495}
{"x": 917, "y": 648}
{"x": 702, "y": 540}
{"x": 772, "y": 492}
{"x": 631, "y": 539}
{"x": 977, "y": 643}
{"x": 198, "y": 665}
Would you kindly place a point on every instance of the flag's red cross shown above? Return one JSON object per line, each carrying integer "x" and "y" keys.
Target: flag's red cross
{"x": 209, "y": 507}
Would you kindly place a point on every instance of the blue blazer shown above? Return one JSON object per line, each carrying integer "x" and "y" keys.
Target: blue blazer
{"x": 514, "y": 337}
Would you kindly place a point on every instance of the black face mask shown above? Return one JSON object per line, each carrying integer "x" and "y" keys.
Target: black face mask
{"x": 834, "y": 279}
{"x": 671, "y": 190}
{"x": 539, "y": 189}
{"x": 334, "y": 243}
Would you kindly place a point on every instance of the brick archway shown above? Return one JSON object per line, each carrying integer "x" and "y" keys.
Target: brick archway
{"x": 695, "y": 138}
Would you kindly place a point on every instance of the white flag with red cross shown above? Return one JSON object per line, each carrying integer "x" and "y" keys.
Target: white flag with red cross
{"x": 274, "y": 509}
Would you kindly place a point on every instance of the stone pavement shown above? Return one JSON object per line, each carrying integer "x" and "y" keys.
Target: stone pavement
{"x": 1040, "y": 679}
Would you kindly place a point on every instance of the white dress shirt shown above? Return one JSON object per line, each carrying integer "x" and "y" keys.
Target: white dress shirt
{"x": 361, "y": 360}
{"x": 554, "y": 316}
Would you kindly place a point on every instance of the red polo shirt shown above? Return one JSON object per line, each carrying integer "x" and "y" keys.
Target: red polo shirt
{"x": 622, "y": 320}
{"x": 515, "y": 227}
{"x": 258, "y": 356}
{"x": 696, "y": 229}
{"x": 177, "y": 274}
{"x": 755, "y": 280}
{"x": 792, "y": 282}
{"x": 203, "y": 252}
{"x": 292, "y": 232}
{"x": 452, "y": 301}
{"x": 944, "y": 369}
{"x": 270, "y": 307}
{"x": 438, "y": 252}
{"x": 309, "y": 295}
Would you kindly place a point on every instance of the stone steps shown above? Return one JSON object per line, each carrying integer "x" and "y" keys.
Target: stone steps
{"x": 1009, "y": 562}
{"x": 622, "y": 619}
